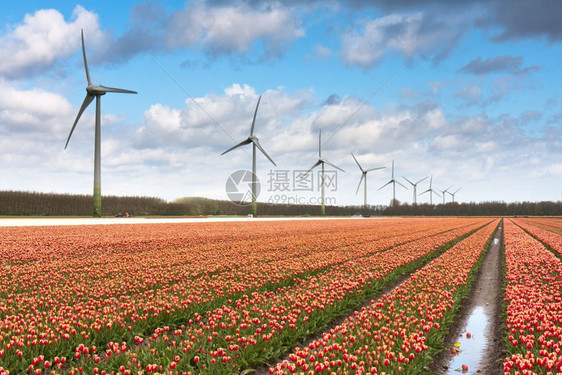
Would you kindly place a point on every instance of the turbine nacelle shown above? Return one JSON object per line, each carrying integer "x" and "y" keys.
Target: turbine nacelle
{"x": 252, "y": 139}
{"x": 363, "y": 175}
{"x": 94, "y": 91}
{"x": 256, "y": 144}
{"x": 321, "y": 161}
{"x": 98, "y": 90}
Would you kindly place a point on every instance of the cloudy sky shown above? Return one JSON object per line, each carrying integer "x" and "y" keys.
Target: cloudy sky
{"x": 468, "y": 91}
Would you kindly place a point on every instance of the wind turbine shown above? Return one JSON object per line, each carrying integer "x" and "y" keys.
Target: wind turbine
{"x": 453, "y": 194}
{"x": 95, "y": 91}
{"x": 364, "y": 176}
{"x": 430, "y": 191}
{"x": 321, "y": 161}
{"x": 445, "y": 191}
{"x": 415, "y": 185}
{"x": 393, "y": 182}
{"x": 255, "y": 144}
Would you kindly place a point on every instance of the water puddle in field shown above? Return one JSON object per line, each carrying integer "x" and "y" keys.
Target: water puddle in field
{"x": 471, "y": 343}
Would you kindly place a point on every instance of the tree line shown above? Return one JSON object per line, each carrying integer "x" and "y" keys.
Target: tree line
{"x": 20, "y": 203}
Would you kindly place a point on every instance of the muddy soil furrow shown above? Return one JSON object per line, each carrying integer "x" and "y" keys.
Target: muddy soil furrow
{"x": 485, "y": 304}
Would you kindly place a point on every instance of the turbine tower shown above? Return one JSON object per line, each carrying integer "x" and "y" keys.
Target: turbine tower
{"x": 255, "y": 144}
{"x": 430, "y": 191}
{"x": 445, "y": 191}
{"x": 453, "y": 193}
{"x": 321, "y": 161}
{"x": 94, "y": 91}
{"x": 364, "y": 176}
{"x": 393, "y": 182}
{"x": 415, "y": 185}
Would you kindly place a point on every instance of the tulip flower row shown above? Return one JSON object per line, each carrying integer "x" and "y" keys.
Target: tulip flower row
{"x": 63, "y": 288}
{"x": 534, "y": 303}
{"x": 257, "y": 327}
{"x": 395, "y": 333}
{"x": 552, "y": 224}
{"x": 548, "y": 231}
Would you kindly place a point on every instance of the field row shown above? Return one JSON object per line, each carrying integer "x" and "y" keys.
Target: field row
{"x": 533, "y": 297}
{"x": 69, "y": 295}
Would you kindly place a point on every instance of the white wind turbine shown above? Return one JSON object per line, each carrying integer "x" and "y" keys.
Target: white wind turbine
{"x": 364, "y": 177}
{"x": 321, "y": 161}
{"x": 430, "y": 191}
{"x": 453, "y": 193}
{"x": 94, "y": 91}
{"x": 255, "y": 144}
{"x": 393, "y": 182}
{"x": 415, "y": 184}
{"x": 445, "y": 191}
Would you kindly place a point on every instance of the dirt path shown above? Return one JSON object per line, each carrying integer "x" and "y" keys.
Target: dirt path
{"x": 479, "y": 316}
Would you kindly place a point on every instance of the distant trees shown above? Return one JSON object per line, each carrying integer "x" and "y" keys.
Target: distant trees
{"x": 18, "y": 203}
{"x": 493, "y": 208}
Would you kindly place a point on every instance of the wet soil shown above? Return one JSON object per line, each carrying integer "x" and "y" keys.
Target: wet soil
{"x": 481, "y": 317}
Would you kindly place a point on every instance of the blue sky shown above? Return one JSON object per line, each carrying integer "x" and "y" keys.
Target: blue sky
{"x": 468, "y": 91}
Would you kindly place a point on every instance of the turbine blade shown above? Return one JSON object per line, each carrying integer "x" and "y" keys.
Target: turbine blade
{"x": 85, "y": 61}
{"x": 374, "y": 169}
{"x": 401, "y": 184}
{"x": 320, "y": 144}
{"x": 332, "y": 165}
{"x": 360, "y": 180}
{"x": 434, "y": 192}
{"x": 457, "y": 190}
{"x": 254, "y": 120}
{"x": 427, "y": 191}
{"x": 426, "y": 177}
{"x": 114, "y": 89}
{"x": 257, "y": 143}
{"x": 87, "y": 100}
{"x": 359, "y": 165}
{"x": 409, "y": 181}
{"x": 314, "y": 166}
{"x": 388, "y": 183}
{"x": 244, "y": 142}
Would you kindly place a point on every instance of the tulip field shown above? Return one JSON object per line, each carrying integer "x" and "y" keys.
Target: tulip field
{"x": 533, "y": 296}
{"x": 262, "y": 297}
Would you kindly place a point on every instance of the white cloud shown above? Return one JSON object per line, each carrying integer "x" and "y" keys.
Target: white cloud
{"x": 43, "y": 37}
{"x": 31, "y": 110}
{"x": 407, "y": 34}
{"x": 322, "y": 52}
{"x": 222, "y": 29}
{"x": 445, "y": 142}
{"x": 176, "y": 151}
